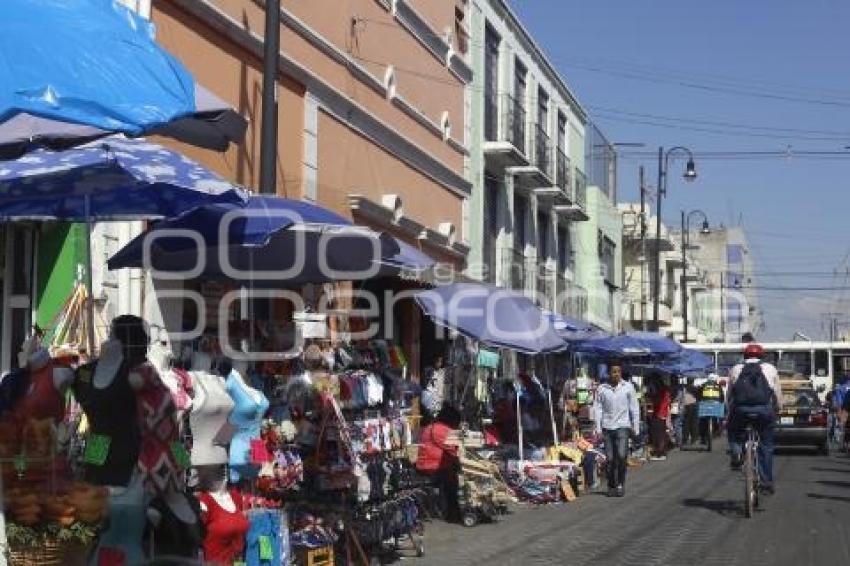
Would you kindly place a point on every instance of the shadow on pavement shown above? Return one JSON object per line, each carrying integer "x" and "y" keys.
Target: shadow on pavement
{"x": 831, "y": 470}
{"x": 828, "y": 497}
{"x": 832, "y": 483}
{"x": 725, "y": 507}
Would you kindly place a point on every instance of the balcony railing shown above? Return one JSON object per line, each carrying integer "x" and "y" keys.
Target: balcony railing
{"x": 514, "y": 126}
{"x": 542, "y": 149}
{"x": 546, "y": 288}
{"x": 514, "y": 269}
{"x": 581, "y": 188}
{"x": 491, "y": 117}
{"x": 504, "y": 120}
{"x": 571, "y": 298}
{"x": 563, "y": 173}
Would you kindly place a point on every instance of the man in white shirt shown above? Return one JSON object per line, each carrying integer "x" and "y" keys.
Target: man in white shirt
{"x": 617, "y": 415}
{"x": 756, "y": 400}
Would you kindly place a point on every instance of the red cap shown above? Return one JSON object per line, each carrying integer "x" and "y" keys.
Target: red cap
{"x": 754, "y": 351}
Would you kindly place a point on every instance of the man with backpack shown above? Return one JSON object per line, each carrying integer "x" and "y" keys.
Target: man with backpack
{"x": 755, "y": 395}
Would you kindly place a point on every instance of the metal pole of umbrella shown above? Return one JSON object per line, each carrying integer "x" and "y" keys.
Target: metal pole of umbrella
{"x": 89, "y": 322}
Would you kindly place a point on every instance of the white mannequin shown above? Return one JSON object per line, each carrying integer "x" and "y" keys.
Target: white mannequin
{"x": 111, "y": 356}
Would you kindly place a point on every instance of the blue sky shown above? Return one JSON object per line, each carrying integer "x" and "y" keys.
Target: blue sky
{"x": 742, "y": 70}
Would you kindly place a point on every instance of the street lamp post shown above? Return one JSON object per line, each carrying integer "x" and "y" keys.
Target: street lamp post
{"x": 689, "y": 175}
{"x": 686, "y": 242}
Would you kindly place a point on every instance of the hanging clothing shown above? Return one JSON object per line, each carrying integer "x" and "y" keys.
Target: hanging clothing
{"x": 249, "y": 408}
{"x": 172, "y": 535}
{"x": 41, "y": 400}
{"x": 263, "y": 545}
{"x": 225, "y": 538}
{"x": 209, "y": 415}
{"x": 121, "y": 543}
{"x": 181, "y": 393}
{"x": 157, "y": 417}
{"x": 109, "y": 412}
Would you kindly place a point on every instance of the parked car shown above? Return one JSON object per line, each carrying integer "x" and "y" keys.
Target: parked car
{"x": 803, "y": 420}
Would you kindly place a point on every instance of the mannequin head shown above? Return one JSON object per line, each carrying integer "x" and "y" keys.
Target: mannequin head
{"x": 130, "y": 331}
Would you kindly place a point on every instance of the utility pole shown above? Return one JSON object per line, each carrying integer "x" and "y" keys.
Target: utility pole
{"x": 268, "y": 134}
{"x": 643, "y": 265}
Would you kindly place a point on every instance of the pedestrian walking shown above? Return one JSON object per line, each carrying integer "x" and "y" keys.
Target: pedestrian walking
{"x": 661, "y": 401}
{"x": 677, "y": 410}
{"x": 690, "y": 433}
{"x": 617, "y": 417}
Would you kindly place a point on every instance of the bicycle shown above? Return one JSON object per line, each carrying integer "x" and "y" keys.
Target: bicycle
{"x": 752, "y": 478}
{"x": 710, "y": 411}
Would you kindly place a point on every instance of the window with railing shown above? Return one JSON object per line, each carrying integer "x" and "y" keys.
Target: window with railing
{"x": 607, "y": 252}
{"x": 520, "y": 219}
{"x": 542, "y": 236}
{"x": 514, "y": 269}
{"x": 519, "y": 113}
{"x": 515, "y": 122}
{"x": 562, "y": 175}
{"x": 491, "y": 84}
{"x": 564, "y": 249}
{"x": 491, "y": 226}
{"x": 581, "y": 187}
{"x": 542, "y": 148}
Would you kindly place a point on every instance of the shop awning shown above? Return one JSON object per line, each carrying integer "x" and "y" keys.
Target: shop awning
{"x": 76, "y": 70}
{"x": 269, "y": 240}
{"x": 111, "y": 179}
{"x": 496, "y": 317}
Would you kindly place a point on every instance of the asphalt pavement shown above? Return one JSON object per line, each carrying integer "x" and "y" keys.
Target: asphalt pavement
{"x": 685, "y": 511}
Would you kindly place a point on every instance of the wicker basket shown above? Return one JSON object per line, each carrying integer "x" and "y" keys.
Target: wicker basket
{"x": 48, "y": 554}
{"x": 51, "y": 553}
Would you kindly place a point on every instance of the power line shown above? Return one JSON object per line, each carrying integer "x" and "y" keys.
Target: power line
{"x": 731, "y": 90}
{"x": 735, "y": 125}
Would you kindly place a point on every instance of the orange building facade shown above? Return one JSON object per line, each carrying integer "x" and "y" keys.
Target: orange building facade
{"x": 372, "y": 105}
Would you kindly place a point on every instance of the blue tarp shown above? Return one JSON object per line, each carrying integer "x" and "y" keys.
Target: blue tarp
{"x": 494, "y": 316}
{"x": 120, "y": 178}
{"x": 91, "y": 62}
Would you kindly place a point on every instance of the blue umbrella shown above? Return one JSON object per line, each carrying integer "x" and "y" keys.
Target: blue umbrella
{"x": 269, "y": 239}
{"x": 688, "y": 361}
{"x": 574, "y": 329}
{"x": 629, "y": 344}
{"x": 496, "y": 317}
{"x": 113, "y": 179}
{"x": 91, "y": 62}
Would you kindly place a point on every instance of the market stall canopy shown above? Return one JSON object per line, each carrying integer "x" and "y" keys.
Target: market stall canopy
{"x": 111, "y": 179}
{"x": 629, "y": 344}
{"x": 271, "y": 240}
{"x": 688, "y": 361}
{"x": 496, "y": 317}
{"x": 92, "y": 68}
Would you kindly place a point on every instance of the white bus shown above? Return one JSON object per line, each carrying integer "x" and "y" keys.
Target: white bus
{"x": 823, "y": 362}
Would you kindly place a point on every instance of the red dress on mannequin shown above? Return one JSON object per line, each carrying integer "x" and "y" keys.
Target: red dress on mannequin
{"x": 225, "y": 539}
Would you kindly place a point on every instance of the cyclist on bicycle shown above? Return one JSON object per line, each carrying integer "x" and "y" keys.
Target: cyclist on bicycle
{"x": 755, "y": 395}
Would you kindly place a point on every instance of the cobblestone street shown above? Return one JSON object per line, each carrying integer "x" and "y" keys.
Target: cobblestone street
{"x": 687, "y": 510}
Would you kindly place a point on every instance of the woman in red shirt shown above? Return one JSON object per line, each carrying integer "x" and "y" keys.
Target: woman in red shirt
{"x": 439, "y": 460}
{"x": 661, "y": 401}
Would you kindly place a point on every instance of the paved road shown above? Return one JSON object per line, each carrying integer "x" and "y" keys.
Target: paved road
{"x": 685, "y": 511}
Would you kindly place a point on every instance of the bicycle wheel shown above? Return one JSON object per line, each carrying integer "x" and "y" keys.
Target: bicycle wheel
{"x": 749, "y": 479}
{"x": 710, "y": 435}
